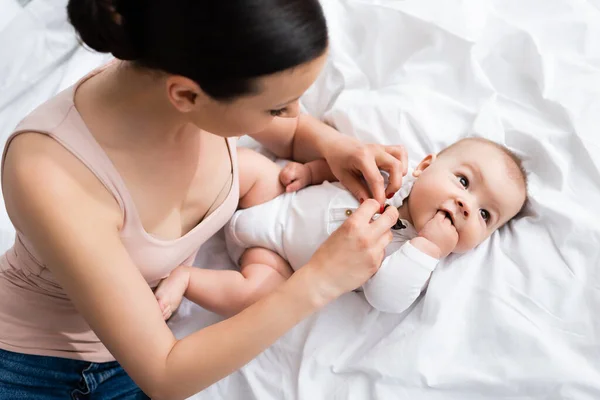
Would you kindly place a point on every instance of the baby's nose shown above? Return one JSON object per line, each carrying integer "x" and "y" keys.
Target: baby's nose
{"x": 464, "y": 208}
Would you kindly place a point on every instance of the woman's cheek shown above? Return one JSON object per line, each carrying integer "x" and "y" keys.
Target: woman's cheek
{"x": 257, "y": 123}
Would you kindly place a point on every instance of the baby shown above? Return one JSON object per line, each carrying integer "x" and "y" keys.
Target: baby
{"x": 450, "y": 203}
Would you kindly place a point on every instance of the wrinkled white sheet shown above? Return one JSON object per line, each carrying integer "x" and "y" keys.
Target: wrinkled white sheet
{"x": 39, "y": 56}
{"x": 515, "y": 319}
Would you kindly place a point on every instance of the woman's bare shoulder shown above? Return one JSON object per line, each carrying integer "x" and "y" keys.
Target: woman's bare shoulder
{"x": 38, "y": 169}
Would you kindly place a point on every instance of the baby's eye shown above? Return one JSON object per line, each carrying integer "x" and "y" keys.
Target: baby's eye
{"x": 485, "y": 215}
{"x": 277, "y": 113}
{"x": 463, "y": 181}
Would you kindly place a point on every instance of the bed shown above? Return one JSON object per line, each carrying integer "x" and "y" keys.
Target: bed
{"x": 515, "y": 319}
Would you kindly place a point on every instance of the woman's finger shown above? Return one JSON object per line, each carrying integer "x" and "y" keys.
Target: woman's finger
{"x": 368, "y": 168}
{"x": 399, "y": 152}
{"x": 364, "y": 214}
{"x": 384, "y": 241}
{"x": 385, "y": 221}
{"x": 393, "y": 166}
{"x": 355, "y": 186}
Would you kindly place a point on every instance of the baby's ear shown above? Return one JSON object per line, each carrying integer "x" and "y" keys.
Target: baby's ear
{"x": 426, "y": 162}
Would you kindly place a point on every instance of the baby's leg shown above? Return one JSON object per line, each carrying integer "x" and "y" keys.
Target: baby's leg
{"x": 224, "y": 292}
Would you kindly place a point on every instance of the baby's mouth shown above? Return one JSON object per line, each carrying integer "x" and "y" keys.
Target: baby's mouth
{"x": 449, "y": 216}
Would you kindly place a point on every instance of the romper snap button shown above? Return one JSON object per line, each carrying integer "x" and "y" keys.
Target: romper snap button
{"x": 348, "y": 212}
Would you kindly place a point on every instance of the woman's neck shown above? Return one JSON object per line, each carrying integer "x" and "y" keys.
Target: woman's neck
{"x": 133, "y": 107}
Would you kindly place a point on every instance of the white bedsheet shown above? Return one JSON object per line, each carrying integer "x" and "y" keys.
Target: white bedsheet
{"x": 39, "y": 56}
{"x": 515, "y": 319}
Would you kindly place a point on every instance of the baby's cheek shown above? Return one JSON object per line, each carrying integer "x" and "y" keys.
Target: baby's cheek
{"x": 419, "y": 222}
{"x": 467, "y": 241}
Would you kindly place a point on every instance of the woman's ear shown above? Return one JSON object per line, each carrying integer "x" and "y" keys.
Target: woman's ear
{"x": 184, "y": 93}
{"x": 426, "y": 162}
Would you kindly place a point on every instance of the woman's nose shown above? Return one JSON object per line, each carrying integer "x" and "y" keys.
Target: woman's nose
{"x": 292, "y": 110}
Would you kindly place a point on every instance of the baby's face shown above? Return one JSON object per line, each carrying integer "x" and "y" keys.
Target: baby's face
{"x": 476, "y": 184}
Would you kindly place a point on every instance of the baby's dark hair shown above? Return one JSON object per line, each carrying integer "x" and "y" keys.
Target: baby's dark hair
{"x": 515, "y": 164}
{"x": 223, "y": 45}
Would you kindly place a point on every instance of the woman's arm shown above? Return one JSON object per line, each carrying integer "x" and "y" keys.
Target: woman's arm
{"x": 304, "y": 138}
{"x": 74, "y": 223}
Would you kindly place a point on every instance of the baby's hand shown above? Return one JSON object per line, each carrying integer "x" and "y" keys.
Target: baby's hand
{"x": 295, "y": 176}
{"x": 440, "y": 232}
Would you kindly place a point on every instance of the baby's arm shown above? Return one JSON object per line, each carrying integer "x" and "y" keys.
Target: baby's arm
{"x": 400, "y": 280}
{"x": 295, "y": 176}
{"x": 259, "y": 178}
{"x": 404, "y": 274}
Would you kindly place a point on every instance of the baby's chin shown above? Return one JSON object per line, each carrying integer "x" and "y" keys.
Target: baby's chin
{"x": 419, "y": 220}
{"x": 462, "y": 248}
{"x": 458, "y": 250}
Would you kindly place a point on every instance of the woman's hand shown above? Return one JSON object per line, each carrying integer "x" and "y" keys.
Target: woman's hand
{"x": 354, "y": 252}
{"x": 351, "y": 160}
{"x": 306, "y": 139}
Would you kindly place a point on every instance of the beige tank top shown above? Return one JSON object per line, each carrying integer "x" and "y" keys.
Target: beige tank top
{"x": 36, "y": 315}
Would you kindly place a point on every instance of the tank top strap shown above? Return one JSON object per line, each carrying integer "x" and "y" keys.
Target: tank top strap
{"x": 60, "y": 120}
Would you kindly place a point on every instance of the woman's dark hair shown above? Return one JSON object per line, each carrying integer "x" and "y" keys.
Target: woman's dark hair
{"x": 220, "y": 44}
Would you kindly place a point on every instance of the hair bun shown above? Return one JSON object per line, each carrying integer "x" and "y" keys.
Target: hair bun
{"x": 101, "y": 27}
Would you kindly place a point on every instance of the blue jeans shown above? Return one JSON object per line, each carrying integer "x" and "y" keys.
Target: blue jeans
{"x": 30, "y": 377}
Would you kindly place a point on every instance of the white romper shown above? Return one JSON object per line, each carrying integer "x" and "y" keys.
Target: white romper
{"x": 294, "y": 225}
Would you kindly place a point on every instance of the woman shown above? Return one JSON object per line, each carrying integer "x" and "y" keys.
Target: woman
{"x": 118, "y": 180}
